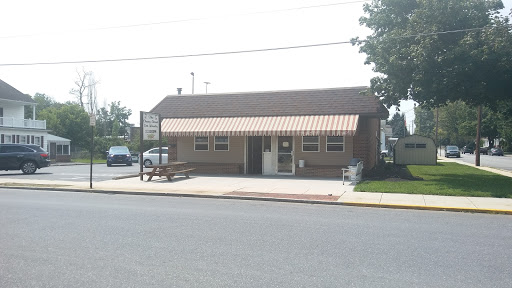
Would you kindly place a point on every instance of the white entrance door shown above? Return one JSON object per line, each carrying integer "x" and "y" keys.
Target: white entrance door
{"x": 285, "y": 155}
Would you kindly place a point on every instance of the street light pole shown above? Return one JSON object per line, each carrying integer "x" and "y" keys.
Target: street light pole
{"x": 192, "y": 73}
{"x": 206, "y": 83}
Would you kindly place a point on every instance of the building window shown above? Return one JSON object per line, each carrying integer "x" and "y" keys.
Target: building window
{"x": 23, "y": 139}
{"x": 412, "y": 145}
{"x": 7, "y": 139}
{"x": 335, "y": 144}
{"x": 201, "y": 143}
{"x": 310, "y": 143}
{"x": 221, "y": 143}
{"x": 62, "y": 149}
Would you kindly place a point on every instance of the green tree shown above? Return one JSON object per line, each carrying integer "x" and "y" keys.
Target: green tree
{"x": 424, "y": 122}
{"x": 397, "y": 122}
{"x": 43, "y": 102}
{"x": 419, "y": 59}
{"x": 68, "y": 121}
{"x": 106, "y": 118}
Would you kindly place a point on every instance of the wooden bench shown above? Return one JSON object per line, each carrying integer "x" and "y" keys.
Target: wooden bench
{"x": 355, "y": 173}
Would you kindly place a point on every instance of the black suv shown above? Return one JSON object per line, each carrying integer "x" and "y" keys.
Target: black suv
{"x": 25, "y": 157}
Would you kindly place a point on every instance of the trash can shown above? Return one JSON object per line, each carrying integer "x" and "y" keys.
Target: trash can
{"x": 302, "y": 163}
{"x": 352, "y": 167}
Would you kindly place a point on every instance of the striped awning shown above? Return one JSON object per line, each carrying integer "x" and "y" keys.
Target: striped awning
{"x": 323, "y": 125}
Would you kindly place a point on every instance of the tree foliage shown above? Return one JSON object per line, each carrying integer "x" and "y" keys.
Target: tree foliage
{"x": 457, "y": 124}
{"x": 68, "y": 121}
{"x": 425, "y": 122}
{"x": 43, "y": 101}
{"x": 397, "y": 123}
{"x": 107, "y": 118}
{"x": 438, "y": 51}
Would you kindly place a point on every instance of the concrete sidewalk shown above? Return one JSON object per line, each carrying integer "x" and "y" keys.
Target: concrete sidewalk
{"x": 285, "y": 189}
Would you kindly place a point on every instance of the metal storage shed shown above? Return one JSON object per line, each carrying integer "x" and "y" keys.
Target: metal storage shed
{"x": 415, "y": 150}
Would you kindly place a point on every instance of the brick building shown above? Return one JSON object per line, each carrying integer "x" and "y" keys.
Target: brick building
{"x": 302, "y": 132}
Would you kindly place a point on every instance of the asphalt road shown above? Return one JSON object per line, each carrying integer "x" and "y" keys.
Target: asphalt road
{"x": 66, "y": 239}
{"x": 499, "y": 162}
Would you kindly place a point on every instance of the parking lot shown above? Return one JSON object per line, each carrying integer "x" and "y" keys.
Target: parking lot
{"x": 66, "y": 172}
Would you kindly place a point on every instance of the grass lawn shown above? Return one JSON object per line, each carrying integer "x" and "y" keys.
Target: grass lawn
{"x": 447, "y": 178}
{"x": 87, "y": 161}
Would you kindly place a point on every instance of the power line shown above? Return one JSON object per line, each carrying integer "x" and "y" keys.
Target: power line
{"x": 239, "y": 51}
{"x": 177, "y": 56}
{"x": 192, "y": 19}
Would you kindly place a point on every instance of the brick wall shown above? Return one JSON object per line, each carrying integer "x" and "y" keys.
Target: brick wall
{"x": 172, "y": 151}
{"x": 217, "y": 168}
{"x": 318, "y": 171}
{"x": 365, "y": 142}
{"x": 62, "y": 158}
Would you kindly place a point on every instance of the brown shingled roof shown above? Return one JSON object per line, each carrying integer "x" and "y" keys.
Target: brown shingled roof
{"x": 10, "y": 93}
{"x": 332, "y": 101}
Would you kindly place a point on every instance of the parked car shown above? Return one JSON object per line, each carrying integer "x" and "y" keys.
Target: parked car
{"x": 25, "y": 157}
{"x": 468, "y": 149}
{"x": 119, "y": 155}
{"x": 451, "y": 151}
{"x": 151, "y": 156}
{"x": 496, "y": 151}
{"x": 483, "y": 150}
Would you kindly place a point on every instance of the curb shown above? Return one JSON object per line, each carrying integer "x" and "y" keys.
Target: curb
{"x": 283, "y": 200}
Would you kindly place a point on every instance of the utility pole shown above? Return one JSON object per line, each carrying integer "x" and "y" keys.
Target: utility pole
{"x": 477, "y": 142}
{"x": 437, "y": 127}
{"x": 207, "y": 83}
{"x": 192, "y": 73}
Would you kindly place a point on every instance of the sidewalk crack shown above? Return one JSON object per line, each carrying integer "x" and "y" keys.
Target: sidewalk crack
{"x": 471, "y": 202}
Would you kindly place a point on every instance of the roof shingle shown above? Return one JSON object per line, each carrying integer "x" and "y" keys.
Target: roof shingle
{"x": 10, "y": 93}
{"x": 332, "y": 101}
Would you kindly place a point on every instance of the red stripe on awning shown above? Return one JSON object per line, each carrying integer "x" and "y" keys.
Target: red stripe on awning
{"x": 330, "y": 125}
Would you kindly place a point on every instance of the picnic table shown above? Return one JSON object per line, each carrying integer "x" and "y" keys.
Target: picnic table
{"x": 168, "y": 170}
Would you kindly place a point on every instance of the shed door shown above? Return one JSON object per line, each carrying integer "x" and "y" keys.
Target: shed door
{"x": 53, "y": 151}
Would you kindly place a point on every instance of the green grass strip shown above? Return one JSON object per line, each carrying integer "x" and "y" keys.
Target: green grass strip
{"x": 448, "y": 179}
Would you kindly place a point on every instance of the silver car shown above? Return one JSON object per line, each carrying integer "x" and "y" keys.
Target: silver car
{"x": 150, "y": 157}
{"x": 452, "y": 151}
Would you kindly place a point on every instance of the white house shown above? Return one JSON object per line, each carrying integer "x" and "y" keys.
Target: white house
{"x": 14, "y": 127}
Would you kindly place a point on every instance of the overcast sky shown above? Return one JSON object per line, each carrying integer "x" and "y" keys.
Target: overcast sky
{"x": 67, "y": 31}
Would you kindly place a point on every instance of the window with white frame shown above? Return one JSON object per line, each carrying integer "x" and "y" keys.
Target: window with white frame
{"x": 201, "y": 143}
{"x": 335, "y": 144}
{"x": 221, "y": 143}
{"x": 310, "y": 143}
{"x": 62, "y": 149}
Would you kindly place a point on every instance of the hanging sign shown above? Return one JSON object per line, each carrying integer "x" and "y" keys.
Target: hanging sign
{"x": 150, "y": 126}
